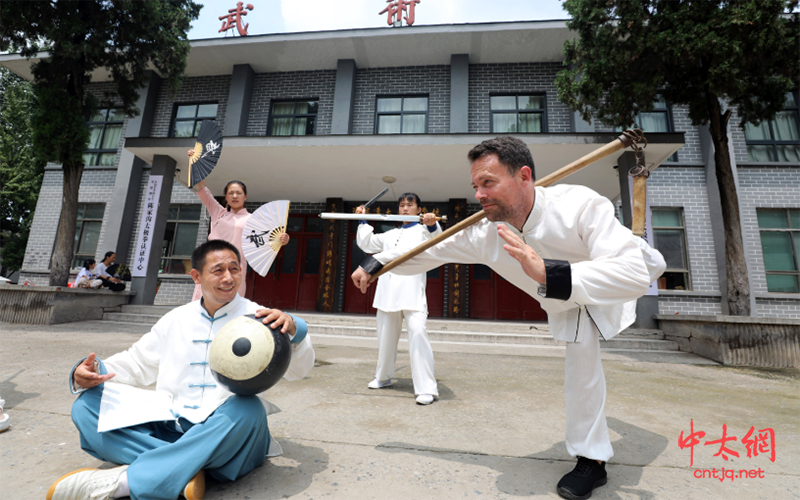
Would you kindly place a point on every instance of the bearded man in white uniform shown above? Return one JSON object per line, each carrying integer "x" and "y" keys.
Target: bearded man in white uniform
{"x": 167, "y": 438}
{"x": 564, "y": 247}
{"x": 402, "y": 296}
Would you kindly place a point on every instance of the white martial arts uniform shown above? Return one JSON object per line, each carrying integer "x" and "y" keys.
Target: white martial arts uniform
{"x": 398, "y": 296}
{"x": 602, "y": 270}
{"x": 189, "y": 423}
{"x": 174, "y": 356}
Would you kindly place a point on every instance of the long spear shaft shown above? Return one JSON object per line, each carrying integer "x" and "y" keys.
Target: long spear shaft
{"x": 620, "y": 142}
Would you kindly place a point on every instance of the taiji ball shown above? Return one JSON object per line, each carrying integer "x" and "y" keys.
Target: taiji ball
{"x": 248, "y": 357}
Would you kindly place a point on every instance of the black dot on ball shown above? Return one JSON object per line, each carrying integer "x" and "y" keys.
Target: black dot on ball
{"x": 241, "y": 347}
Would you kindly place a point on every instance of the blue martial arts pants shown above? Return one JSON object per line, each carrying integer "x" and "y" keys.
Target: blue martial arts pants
{"x": 230, "y": 443}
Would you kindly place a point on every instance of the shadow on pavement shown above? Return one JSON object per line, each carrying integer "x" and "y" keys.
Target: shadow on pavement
{"x": 637, "y": 448}
{"x": 8, "y": 390}
{"x": 271, "y": 481}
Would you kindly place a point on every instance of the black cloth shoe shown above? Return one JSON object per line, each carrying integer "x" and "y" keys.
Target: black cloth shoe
{"x": 586, "y": 476}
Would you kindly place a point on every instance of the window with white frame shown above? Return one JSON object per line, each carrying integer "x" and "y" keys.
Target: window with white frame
{"x": 780, "y": 246}
{"x": 105, "y": 128}
{"x": 515, "y": 114}
{"x": 87, "y": 232}
{"x": 776, "y": 140}
{"x": 189, "y": 117}
{"x": 669, "y": 237}
{"x": 401, "y": 115}
{"x": 180, "y": 239}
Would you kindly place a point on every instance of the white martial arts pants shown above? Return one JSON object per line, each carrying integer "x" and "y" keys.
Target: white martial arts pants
{"x": 585, "y": 391}
{"x": 419, "y": 348}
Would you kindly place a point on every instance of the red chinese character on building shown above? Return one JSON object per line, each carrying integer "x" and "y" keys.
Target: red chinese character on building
{"x": 234, "y": 19}
{"x": 722, "y": 448}
{"x": 396, "y": 9}
{"x": 763, "y": 442}
{"x": 691, "y": 441}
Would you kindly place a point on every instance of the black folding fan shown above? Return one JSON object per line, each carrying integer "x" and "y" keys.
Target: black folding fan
{"x": 206, "y": 152}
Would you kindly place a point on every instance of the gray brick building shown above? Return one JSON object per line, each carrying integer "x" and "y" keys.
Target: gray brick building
{"x": 303, "y": 116}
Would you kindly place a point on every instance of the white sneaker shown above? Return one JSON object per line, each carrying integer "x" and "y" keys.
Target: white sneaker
{"x": 86, "y": 484}
{"x": 425, "y": 399}
{"x": 4, "y": 422}
{"x": 379, "y": 384}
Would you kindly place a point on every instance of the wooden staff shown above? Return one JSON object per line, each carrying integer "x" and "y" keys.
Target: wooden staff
{"x": 621, "y": 142}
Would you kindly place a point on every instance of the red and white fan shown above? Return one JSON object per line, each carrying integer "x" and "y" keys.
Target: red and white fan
{"x": 261, "y": 235}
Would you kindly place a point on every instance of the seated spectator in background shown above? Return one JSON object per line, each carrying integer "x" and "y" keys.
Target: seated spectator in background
{"x": 86, "y": 277}
{"x": 101, "y": 272}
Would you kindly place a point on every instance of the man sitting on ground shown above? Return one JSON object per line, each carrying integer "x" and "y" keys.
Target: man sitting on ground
{"x": 213, "y": 430}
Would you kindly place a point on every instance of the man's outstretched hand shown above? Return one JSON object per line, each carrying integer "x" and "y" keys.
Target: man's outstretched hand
{"x": 85, "y": 376}
{"x": 531, "y": 263}
{"x": 361, "y": 279}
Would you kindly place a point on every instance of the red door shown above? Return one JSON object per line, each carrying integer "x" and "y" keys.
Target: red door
{"x": 507, "y": 297}
{"x": 292, "y": 281}
{"x": 309, "y": 274}
{"x": 493, "y": 297}
{"x": 531, "y": 310}
{"x": 263, "y": 290}
{"x": 481, "y": 293}
{"x": 288, "y": 274}
{"x": 434, "y": 290}
{"x": 354, "y": 301}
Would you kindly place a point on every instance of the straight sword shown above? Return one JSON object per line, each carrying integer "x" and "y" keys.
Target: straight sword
{"x": 373, "y": 200}
{"x": 377, "y": 217}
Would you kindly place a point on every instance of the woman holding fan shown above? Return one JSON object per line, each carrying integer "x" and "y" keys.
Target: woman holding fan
{"x": 227, "y": 222}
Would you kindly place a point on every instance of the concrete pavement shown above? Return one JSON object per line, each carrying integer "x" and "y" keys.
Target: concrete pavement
{"x": 496, "y": 432}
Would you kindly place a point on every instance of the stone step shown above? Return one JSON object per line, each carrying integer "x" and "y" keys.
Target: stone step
{"x": 148, "y": 310}
{"x": 433, "y": 323}
{"x": 615, "y": 354}
{"x": 632, "y": 344}
{"x": 369, "y": 321}
{"x": 449, "y": 335}
{"x": 123, "y": 317}
{"x": 498, "y": 338}
{"x": 488, "y": 332}
{"x": 642, "y": 334}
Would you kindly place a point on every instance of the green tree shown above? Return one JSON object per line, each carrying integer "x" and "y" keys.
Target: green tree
{"x": 21, "y": 170}
{"x": 124, "y": 38}
{"x": 711, "y": 56}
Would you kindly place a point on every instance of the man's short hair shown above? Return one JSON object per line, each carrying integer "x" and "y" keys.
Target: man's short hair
{"x": 200, "y": 253}
{"x": 108, "y": 254}
{"x": 510, "y": 151}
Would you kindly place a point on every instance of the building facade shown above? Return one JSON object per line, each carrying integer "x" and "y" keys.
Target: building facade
{"x": 323, "y": 118}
